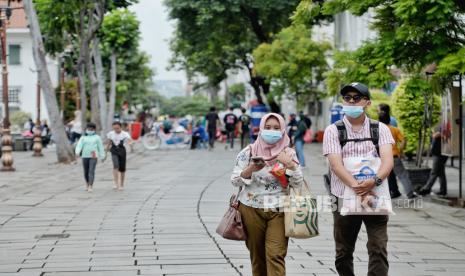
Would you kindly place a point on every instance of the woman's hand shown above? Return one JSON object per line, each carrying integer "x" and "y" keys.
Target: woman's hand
{"x": 286, "y": 159}
{"x": 251, "y": 168}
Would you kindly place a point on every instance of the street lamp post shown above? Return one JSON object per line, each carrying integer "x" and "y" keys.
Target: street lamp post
{"x": 37, "y": 147}
{"x": 7, "y": 157}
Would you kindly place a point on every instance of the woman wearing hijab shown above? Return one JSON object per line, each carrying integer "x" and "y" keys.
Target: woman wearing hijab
{"x": 261, "y": 195}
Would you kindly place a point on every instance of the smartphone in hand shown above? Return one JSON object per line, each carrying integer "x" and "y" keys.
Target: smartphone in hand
{"x": 258, "y": 160}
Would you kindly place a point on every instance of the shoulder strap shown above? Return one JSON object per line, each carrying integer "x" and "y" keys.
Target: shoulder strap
{"x": 374, "y": 131}
{"x": 342, "y": 132}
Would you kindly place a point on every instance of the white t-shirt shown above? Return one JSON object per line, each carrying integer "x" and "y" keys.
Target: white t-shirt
{"x": 76, "y": 127}
{"x": 118, "y": 137}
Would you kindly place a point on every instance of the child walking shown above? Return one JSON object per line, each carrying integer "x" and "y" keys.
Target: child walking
{"x": 90, "y": 148}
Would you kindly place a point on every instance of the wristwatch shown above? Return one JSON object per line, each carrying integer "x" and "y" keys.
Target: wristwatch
{"x": 378, "y": 181}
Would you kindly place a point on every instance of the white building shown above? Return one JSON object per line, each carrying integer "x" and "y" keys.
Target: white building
{"x": 348, "y": 32}
{"x": 22, "y": 78}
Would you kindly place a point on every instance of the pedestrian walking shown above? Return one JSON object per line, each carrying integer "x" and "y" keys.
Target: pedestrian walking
{"x": 382, "y": 107}
{"x": 306, "y": 119}
{"x": 90, "y": 149}
{"x": 75, "y": 127}
{"x": 397, "y": 152}
{"x": 261, "y": 193}
{"x": 392, "y": 179}
{"x": 230, "y": 121}
{"x": 213, "y": 122}
{"x": 439, "y": 167}
{"x": 244, "y": 121}
{"x": 292, "y": 127}
{"x": 299, "y": 139}
{"x": 117, "y": 139}
{"x": 363, "y": 138}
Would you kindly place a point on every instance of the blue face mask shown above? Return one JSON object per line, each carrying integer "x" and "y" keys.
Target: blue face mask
{"x": 271, "y": 137}
{"x": 90, "y": 132}
{"x": 353, "y": 111}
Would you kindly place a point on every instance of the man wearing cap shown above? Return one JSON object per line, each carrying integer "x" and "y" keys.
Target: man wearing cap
{"x": 356, "y": 99}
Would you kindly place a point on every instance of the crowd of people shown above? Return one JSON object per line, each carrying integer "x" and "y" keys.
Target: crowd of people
{"x": 353, "y": 138}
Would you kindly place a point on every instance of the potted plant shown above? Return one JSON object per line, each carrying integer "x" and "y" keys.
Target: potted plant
{"x": 417, "y": 107}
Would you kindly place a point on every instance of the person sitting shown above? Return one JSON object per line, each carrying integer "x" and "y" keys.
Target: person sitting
{"x": 199, "y": 136}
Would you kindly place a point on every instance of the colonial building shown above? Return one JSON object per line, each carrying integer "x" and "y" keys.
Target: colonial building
{"x": 22, "y": 75}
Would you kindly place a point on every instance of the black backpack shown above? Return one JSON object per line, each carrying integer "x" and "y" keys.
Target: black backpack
{"x": 374, "y": 133}
{"x": 343, "y": 140}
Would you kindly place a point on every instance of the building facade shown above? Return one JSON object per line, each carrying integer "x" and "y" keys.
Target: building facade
{"x": 22, "y": 75}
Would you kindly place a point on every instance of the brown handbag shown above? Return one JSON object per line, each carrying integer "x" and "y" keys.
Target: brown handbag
{"x": 231, "y": 226}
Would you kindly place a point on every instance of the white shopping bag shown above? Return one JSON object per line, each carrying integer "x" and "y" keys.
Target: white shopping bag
{"x": 363, "y": 168}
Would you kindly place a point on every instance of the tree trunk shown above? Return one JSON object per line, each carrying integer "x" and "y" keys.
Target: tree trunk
{"x": 63, "y": 150}
{"x": 94, "y": 90}
{"x": 111, "y": 107}
{"x": 83, "y": 94}
{"x": 227, "y": 99}
{"x": 102, "y": 95}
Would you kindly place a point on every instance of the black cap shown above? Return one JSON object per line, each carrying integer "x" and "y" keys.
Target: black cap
{"x": 356, "y": 86}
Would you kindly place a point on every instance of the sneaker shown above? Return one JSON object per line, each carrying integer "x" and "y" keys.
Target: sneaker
{"x": 412, "y": 196}
{"x": 440, "y": 194}
{"x": 424, "y": 192}
{"x": 89, "y": 190}
{"x": 395, "y": 195}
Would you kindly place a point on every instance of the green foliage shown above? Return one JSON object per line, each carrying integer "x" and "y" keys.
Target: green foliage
{"x": 120, "y": 32}
{"x": 368, "y": 64}
{"x": 120, "y": 35}
{"x": 452, "y": 64}
{"x": 409, "y": 107}
{"x": 181, "y": 106}
{"x": 293, "y": 62}
{"x": 377, "y": 97}
{"x": 213, "y": 36}
{"x": 411, "y": 35}
{"x": 237, "y": 93}
{"x": 308, "y": 12}
{"x": 19, "y": 118}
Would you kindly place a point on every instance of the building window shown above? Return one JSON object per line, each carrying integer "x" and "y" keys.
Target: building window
{"x": 13, "y": 95}
{"x": 14, "y": 54}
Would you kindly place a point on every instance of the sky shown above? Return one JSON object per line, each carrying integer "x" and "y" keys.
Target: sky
{"x": 156, "y": 31}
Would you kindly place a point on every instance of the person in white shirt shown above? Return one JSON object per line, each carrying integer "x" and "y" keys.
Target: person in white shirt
{"x": 117, "y": 139}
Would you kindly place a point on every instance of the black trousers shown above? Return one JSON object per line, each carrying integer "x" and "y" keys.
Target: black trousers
{"x": 211, "y": 137}
{"x": 89, "y": 165}
{"x": 392, "y": 181}
{"x": 346, "y": 229}
{"x": 438, "y": 171}
{"x": 230, "y": 137}
{"x": 245, "y": 137}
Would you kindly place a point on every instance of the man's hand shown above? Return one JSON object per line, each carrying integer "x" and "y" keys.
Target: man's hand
{"x": 364, "y": 187}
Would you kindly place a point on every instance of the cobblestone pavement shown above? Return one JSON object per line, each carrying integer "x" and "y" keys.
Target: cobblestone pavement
{"x": 164, "y": 222}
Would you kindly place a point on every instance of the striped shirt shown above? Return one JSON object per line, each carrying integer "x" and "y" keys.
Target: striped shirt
{"x": 331, "y": 145}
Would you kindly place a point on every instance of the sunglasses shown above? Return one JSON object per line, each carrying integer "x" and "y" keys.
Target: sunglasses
{"x": 356, "y": 98}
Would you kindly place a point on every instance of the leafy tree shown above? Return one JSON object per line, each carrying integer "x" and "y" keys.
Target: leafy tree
{"x": 237, "y": 93}
{"x": 180, "y": 106}
{"x": 120, "y": 38}
{"x": 293, "y": 62}
{"x": 213, "y": 36}
{"x": 411, "y": 35}
{"x": 69, "y": 24}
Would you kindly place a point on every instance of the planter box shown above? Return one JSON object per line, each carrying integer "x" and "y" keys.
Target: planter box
{"x": 418, "y": 176}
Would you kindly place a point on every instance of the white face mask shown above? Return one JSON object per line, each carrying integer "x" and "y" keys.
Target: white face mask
{"x": 271, "y": 137}
{"x": 353, "y": 111}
